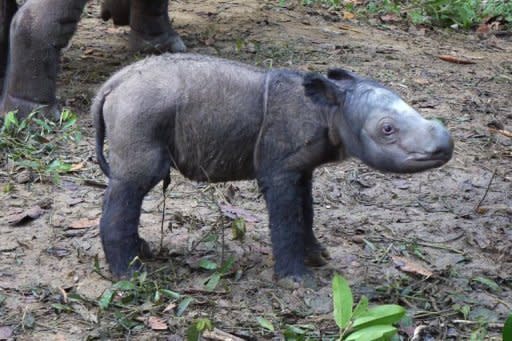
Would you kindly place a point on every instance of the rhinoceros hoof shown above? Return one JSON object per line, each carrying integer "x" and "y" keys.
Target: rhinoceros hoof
{"x": 167, "y": 42}
{"x": 126, "y": 271}
{"x": 24, "y": 107}
{"x": 293, "y": 282}
{"x": 317, "y": 255}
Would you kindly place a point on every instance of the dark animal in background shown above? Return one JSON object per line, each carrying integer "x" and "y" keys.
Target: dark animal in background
{"x": 31, "y": 39}
{"x": 217, "y": 120}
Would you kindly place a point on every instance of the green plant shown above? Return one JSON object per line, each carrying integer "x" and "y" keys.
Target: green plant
{"x": 507, "y": 328}
{"x": 32, "y": 143}
{"x": 444, "y": 13}
{"x": 127, "y": 299}
{"x": 197, "y": 329}
{"x": 362, "y": 323}
{"x": 498, "y": 8}
{"x": 329, "y": 3}
{"x": 221, "y": 270}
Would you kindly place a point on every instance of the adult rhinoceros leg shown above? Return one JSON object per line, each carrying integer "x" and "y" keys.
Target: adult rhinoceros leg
{"x": 151, "y": 27}
{"x": 7, "y": 10}
{"x": 117, "y": 10}
{"x": 39, "y": 30}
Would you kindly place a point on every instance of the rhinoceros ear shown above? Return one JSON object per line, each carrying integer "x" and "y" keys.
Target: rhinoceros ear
{"x": 321, "y": 90}
{"x": 341, "y": 75}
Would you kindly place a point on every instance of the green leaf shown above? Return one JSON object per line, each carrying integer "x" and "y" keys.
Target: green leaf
{"x": 227, "y": 265}
{"x": 361, "y": 308}
{"x": 342, "y": 301}
{"x": 58, "y": 166}
{"x": 377, "y": 332}
{"x": 204, "y": 324}
{"x": 487, "y": 282}
{"x": 507, "y": 329}
{"x": 156, "y": 297}
{"x": 293, "y": 333}
{"x": 124, "y": 320}
{"x": 238, "y": 229}
{"x": 124, "y": 286}
{"x": 379, "y": 315}
{"x": 170, "y": 293}
{"x": 207, "y": 264}
{"x": 193, "y": 334}
{"x": 265, "y": 323}
{"x": 212, "y": 281}
{"x": 10, "y": 121}
{"x": 61, "y": 307}
{"x": 184, "y": 305}
{"x": 106, "y": 298}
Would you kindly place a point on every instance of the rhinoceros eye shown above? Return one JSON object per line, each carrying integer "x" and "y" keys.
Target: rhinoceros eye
{"x": 388, "y": 129}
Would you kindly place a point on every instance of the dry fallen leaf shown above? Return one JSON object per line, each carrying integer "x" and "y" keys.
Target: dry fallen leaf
{"x": 25, "y": 216}
{"x": 75, "y": 201}
{"x": 421, "y": 81}
{"x": 156, "y": 323}
{"x": 348, "y": 15}
{"x": 84, "y": 223}
{"x": 170, "y": 307}
{"x": 454, "y": 59}
{"x": 408, "y": 265}
{"x": 390, "y": 18}
{"x": 501, "y": 131}
{"x": 77, "y": 166}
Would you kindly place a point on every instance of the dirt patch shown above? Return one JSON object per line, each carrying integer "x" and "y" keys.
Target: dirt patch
{"x": 456, "y": 220}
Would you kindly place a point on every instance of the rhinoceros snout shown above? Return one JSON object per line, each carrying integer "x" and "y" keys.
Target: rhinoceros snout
{"x": 441, "y": 147}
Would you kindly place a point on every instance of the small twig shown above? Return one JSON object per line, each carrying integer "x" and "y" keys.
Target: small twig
{"x": 490, "y": 325}
{"x": 431, "y": 245}
{"x": 94, "y": 183}
{"x": 501, "y": 131}
{"x": 486, "y": 191}
{"x": 423, "y": 314}
{"x": 217, "y": 334}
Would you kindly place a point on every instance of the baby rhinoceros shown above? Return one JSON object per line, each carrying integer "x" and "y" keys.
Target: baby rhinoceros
{"x": 218, "y": 120}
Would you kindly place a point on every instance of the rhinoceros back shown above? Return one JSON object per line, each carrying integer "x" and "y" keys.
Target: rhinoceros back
{"x": 207, "y": 111}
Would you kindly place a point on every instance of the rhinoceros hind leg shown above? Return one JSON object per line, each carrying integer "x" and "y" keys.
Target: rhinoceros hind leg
{"x": 131, "y": 179}
{"x": 151, "y": 29}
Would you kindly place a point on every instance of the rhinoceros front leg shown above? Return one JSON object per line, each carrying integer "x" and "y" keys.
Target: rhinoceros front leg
{"x": 38, "y": 32}
{"x": 7, "y": 10}
{"x": 315, "y": 253}
{"x": 284, "y": 197}
{"x": 151, "y": 27}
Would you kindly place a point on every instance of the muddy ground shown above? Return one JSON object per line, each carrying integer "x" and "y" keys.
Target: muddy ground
{"x": 454, "y": 221}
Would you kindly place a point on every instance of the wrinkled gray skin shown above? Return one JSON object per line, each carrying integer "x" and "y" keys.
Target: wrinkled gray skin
{"x": 41, "y": 28}
{"x": 217, "y": 120}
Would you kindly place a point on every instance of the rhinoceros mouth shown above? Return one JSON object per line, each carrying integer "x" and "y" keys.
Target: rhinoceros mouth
{"x": 427, "y": 160}
{"x": 423, "y": 157}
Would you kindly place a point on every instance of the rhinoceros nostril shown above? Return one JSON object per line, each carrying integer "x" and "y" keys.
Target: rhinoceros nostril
{"x": 444, "y": 149}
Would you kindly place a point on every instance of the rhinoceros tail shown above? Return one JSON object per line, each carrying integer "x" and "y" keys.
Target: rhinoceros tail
{"x": 99, "y": 124}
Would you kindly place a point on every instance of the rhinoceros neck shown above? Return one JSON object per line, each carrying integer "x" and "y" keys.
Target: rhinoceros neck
{"x": 294, "y": 131}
